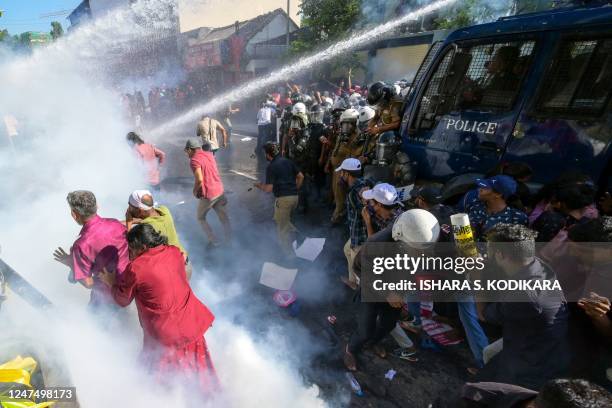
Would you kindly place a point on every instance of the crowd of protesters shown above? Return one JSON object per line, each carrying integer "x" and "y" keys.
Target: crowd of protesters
{"x": 326, "y": 150}
{"x": 518, "y": 348}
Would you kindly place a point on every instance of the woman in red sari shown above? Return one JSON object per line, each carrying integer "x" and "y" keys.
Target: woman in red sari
{"x": 172, "y": 318}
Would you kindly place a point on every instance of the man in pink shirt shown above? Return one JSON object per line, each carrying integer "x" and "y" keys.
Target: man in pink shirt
{"x": 151, "y": 157}
{"x": 208, "y": 188}
{"x": 102, "y": 244}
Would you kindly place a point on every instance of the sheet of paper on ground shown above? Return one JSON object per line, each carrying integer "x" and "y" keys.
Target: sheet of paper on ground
{"x": 277, "y": 277}
{"x": 310, "y": 248}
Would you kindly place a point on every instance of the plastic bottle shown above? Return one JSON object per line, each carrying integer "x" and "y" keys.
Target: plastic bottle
{"x": 354, "y": 384}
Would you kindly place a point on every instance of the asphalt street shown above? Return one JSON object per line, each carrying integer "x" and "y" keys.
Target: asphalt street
{"x": 435, "y": 378}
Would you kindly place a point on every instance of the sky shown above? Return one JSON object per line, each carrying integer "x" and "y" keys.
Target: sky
{"x": 24, "y": 15}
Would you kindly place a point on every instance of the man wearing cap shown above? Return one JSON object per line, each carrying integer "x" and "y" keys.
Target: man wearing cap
{"x": 491, "y": 207}
{"x": 383, "y": 205}
{"x": 208, "y": 188}
{"x": 283, "y": 179}
{"x": 142, "y": 209}
{"x": 349, "y": 172}
{"x": 419, "y": 230}
{"x": 429, "y": 197}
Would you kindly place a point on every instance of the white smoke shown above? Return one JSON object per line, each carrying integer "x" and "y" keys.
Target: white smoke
{"x": 71, "y": 136}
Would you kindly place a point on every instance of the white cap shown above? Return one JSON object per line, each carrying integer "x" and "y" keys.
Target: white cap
{"x": 384, "y": 193}
{"x": 417, "y": 228}
{"x": 350, "y": 164}
{"x": 135, "y": 199}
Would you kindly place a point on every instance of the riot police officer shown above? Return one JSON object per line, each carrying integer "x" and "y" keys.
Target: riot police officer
{"x": 296, "y": 146}
{"x": 318, "y": 133}
{"x": 389, "y": 107}
{"x": 366, "y": 114}
{"x": 346, "y": 145}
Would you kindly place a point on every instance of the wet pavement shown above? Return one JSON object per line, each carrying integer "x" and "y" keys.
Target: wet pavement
{"x": 435, "y": 378}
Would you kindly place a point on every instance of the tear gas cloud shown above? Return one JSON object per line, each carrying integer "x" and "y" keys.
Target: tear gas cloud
{"x": 71, "y": 136}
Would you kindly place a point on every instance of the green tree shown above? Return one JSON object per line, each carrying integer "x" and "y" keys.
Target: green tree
{"x": 324, "y": 22}
{"x": 56, "y": 30}
{"x": 469, "y": 12}
{"x": 4, "y": 35}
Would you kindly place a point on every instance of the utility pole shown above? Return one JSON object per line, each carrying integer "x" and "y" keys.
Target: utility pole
{"x": 288, "y": 22}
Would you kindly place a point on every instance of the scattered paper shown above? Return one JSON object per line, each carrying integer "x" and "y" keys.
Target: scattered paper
{"x": 403, "y": 193}
{"x": 277, "y": 277}
{"x": 246, "y": 139}
{"x": 310, "y": 248}
{"x": 390, "y": 374}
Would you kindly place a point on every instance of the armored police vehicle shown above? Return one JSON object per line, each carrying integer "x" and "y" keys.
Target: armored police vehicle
{"x": 533, "y": 88}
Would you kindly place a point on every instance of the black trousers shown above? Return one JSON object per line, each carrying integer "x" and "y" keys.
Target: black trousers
{"x": 375, "y": 320}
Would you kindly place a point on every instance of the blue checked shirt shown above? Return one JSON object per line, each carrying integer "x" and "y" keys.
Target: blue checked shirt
{"x": 354, "y": 205}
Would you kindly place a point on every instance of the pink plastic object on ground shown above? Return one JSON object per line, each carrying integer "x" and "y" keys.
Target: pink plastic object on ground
{"x": 284, "y": 298}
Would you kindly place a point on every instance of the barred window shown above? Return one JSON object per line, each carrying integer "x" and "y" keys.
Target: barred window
{"x": 433, "y": 50}
{"x": 580, "y": 79}
{"x": 431, "y": 97}
{"x": 485, "y": 77}
{"x": 494, "y": 77}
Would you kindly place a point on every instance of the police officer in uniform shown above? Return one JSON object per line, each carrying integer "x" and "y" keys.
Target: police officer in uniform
{"x": 297, "y": 143}
{"x": 346, "y": 145}
{"x": 389, "y": 108}
{"x": 368, "y": 142}
{"x": 318, "y": 133}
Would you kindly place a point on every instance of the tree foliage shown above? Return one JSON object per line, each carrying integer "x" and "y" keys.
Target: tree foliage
{"x": 324, "y": 22}
{"x": 56, "y": 30}
{"x": 465, "y": 13}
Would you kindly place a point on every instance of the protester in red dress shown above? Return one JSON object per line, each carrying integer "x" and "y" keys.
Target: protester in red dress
{"x": 172, "y": 318}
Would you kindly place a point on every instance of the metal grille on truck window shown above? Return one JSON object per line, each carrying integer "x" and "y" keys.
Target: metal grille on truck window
{"x": 433, "y": 50}
{"x": 431, "y": 96}
{"x": 494, "y": 77}
{"x": 580, "y": 80}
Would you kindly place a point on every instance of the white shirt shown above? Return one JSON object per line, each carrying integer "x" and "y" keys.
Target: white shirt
{"x": 264, "y": 116}
{"x": 207, "y": 130}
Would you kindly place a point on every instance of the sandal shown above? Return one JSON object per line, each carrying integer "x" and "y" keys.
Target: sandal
{"x": 349, "y": 360}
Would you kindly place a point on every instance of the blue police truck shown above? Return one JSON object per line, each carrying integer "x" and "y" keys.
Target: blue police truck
{"x": 533, "y": 88}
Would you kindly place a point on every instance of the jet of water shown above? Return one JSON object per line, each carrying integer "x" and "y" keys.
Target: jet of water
{"x": 256, "y": 85}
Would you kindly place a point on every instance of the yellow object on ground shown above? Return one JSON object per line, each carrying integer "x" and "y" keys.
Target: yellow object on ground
{"x": 19, "y": 371}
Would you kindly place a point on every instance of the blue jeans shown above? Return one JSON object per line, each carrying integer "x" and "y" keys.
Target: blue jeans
{"x": 415, "y": 310}
{"x": 476, "y": 337}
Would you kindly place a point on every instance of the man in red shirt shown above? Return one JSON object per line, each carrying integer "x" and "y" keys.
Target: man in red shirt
{"x": 101, "y": 245}
{"x": 151, "y": 157}
{"x": 208, "y": 188}
{"x": 173, "y": 319}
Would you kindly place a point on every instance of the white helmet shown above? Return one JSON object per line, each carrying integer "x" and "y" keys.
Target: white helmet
{"x": 354, "y": 99}
{"x": 339, "y": 104}
{"x": 398, "y": 89}
{"x": 417, "y": 228}
{"x": 366, "y": 113}
{"x": 349, "y": 115}
{"x": 328, "y": 102}
{"x": 298, "y": 108}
